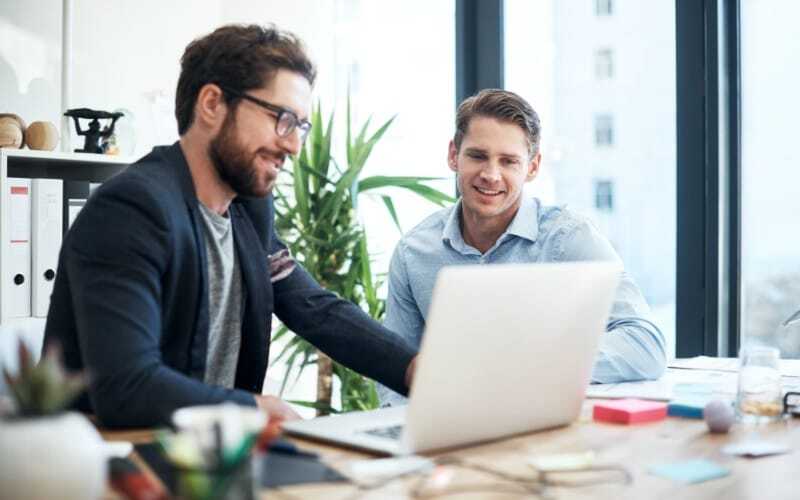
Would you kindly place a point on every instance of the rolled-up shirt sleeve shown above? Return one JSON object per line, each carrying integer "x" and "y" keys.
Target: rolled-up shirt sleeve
{"x": 635, "y": 351}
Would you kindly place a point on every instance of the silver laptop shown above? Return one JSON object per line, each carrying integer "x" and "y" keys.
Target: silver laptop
{"x": 508, "y": 349}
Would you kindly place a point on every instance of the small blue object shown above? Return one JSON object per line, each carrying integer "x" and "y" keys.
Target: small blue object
{"x": 687, "y": 408}
{"x": 691, "y": 471}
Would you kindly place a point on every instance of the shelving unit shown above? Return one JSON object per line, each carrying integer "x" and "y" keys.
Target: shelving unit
{"x": 82, "y": 167}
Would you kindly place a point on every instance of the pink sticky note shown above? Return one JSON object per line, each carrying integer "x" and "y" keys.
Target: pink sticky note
{"x": 629, "y": 411}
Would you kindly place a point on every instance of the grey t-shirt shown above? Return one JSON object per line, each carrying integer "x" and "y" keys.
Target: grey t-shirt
{"x": 224, "y": 300}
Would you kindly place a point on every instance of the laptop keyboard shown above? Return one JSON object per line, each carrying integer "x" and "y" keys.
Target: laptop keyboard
{"x": 392, "y": 432}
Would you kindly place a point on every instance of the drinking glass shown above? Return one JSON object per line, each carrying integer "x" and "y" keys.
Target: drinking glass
{"x": 760, "y": 394}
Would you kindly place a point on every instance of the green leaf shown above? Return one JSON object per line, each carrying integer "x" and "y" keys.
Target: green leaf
{"x": 316, "y": 203}
{"x": 381, "y": 181}
{"x": 315, "y": 404}
{"x": 392, "y": 212}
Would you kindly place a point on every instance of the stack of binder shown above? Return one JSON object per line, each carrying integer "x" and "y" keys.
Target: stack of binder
{"x": 34, "y": 219}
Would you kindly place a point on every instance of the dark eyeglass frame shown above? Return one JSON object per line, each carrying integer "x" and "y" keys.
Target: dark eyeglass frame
{"x": 304, "y": 126}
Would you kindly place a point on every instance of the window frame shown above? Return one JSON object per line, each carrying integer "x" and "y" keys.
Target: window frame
{"x": 708, "y": 281}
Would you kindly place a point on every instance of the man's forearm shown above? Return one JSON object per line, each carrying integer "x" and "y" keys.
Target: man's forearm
{"x": 342, "y": 330}
{"x": 629, "y": 353}
{"x": 148, "y": 397}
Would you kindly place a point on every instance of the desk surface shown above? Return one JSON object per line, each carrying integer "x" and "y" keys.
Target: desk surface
{"x": 636, "y": 447}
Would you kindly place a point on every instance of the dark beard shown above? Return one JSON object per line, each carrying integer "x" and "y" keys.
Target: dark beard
{"x": 233, "y": 164}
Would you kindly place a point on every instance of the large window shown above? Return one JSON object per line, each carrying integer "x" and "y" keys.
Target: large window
{"x": 770, "y": 173}
{"x": 556, "y": 52}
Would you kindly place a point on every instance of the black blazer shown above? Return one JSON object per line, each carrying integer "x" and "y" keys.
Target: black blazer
{"x": 130, "y": 301}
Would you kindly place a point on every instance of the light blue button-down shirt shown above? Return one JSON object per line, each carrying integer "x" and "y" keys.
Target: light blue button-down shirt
{"x": 537, "y": 234}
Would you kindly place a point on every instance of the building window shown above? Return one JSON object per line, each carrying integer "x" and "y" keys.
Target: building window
{"x": 603, "y": 130}
{"x": 604, "y": 195}
{"x": 603, "y": 7}
{"x": 604, "y": 64}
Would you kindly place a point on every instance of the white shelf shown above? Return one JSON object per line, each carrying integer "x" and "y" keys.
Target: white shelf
{"x": 81, "y": 167}
{"x": 59, "y": 156}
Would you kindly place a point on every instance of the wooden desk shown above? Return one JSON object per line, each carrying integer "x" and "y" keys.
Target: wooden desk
{"x": 636, "y": 447}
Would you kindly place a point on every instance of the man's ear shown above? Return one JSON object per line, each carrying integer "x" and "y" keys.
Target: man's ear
{"x": 533, "y": 167}
{"x": 210, "y": 108}
{"x": 452, "y": 156}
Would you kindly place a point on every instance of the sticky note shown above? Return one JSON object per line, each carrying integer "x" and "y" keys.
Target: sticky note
{"x": 629, "y": 411}
{"x": 687, "y": 407}
{"x": 691, "y": 471}
{"x": 563, "y": 461}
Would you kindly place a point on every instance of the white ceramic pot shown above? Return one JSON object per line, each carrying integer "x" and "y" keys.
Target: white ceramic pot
{"x": 51, "y": 457}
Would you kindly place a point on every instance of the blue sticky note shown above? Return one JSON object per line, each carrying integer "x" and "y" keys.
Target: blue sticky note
{"x": 690, "y": 471}
{"x": 690, "y": 407}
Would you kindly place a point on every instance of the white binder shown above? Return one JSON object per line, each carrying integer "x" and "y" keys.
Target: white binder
{"x": 17, "y": 280}
{"x": 46, "y": 227}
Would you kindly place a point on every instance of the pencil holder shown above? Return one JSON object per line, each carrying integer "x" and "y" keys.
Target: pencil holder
{"x": 238, "y": 481}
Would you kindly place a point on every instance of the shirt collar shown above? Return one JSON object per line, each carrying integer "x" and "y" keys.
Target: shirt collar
{"x": 524, "y": 225}
{"x": 451, "y": 233}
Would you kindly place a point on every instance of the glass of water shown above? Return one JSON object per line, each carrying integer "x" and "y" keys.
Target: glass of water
{"x": 760, "y": 393}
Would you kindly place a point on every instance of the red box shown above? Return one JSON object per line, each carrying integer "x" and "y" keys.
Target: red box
{"x": 629, "y": 411}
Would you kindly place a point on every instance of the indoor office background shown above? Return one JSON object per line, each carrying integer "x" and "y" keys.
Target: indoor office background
{"x": 668, "y": 123}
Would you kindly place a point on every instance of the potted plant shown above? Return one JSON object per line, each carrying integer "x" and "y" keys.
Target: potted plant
{"x": 48, "y": 452}
{"x": 316, "y": 204}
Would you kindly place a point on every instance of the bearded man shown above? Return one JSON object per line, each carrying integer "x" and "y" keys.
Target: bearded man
{"x": 169, "y": 277}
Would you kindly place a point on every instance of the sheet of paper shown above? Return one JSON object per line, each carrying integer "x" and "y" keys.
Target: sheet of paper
{"x": 705, "y": 363}
{"x": 789, "y": 367}
{"x": 756, "y": 448}
{"x": 674, "y": 383}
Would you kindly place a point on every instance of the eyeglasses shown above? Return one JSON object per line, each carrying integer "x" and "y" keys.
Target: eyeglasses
{"x": 286, "y": 120}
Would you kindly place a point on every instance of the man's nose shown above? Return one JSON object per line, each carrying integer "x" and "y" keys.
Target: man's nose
{"x": 491, "y": 172}
{"x": 291, "y": 143}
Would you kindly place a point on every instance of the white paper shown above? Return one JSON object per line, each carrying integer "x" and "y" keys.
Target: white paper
{"x": 789, "y": 367}
{"x": 706, "y": 363}
{"x": 674, "y": 383}
{"x": 755, "y": 448}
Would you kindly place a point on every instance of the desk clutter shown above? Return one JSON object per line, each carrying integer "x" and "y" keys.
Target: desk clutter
{"x": 228, "y": 451}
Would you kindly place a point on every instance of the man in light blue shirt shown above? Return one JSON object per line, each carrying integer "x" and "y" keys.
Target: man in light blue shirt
{"x": 494, "y": 152}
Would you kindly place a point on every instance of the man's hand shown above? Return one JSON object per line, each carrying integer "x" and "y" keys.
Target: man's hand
{"x": 276, "y": 408}
{"x": 412, "y": 366}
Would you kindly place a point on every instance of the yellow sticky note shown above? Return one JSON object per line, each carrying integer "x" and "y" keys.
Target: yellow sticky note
{"x": 562, "y": 461}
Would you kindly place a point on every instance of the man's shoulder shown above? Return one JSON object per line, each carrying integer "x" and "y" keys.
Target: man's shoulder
{"x": 429, "y": 230}
{"x": 560, "y": 219}
{"x": 152, "y": 178}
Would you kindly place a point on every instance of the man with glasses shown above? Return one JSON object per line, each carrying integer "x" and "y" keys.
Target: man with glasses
{"x": 169, "y": 276}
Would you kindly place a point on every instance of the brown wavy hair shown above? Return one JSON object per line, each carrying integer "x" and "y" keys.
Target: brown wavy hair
{"x": 240, "y": 57}
{"x": 504, "y": 106}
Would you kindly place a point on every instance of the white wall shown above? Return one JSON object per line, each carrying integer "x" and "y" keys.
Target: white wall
{"x": 398, "y": 57}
